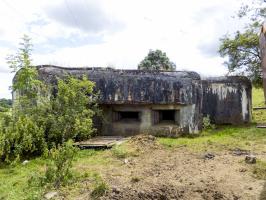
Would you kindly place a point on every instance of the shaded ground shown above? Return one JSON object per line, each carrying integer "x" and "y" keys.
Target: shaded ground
{"x": 157, "y": 172}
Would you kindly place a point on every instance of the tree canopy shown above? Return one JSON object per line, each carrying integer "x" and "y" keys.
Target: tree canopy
{"x": 156, "y": 60}
{"x": 242, "y": 48}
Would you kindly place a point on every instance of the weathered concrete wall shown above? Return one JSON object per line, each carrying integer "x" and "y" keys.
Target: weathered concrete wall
{"x": 134, "y": 86}
{"x": 188, "y": 121}
{"x": 227, "y": 100}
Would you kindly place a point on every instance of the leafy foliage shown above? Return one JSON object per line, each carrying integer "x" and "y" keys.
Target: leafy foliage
{"x": 39, "y": 119}
{"x": 243, "y": 53}
{"x": 58, "y": 170}
{"x": 156, "y": 60}
{"x": 22, "y": 137}
{"x": 72, "y": 110}
{"x": 242, "y": 48}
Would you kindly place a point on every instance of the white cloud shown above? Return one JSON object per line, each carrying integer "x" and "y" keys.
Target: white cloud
{"x": 88, "y": 16}
{"x": 117, "y": 32}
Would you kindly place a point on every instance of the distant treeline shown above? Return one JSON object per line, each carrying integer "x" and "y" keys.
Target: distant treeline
{"x": 5, "y": 104}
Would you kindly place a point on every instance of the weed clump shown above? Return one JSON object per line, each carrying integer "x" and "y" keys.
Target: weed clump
{"x": 58, "y": 171}
{"x": 99, "y": 190}
{"x": 259, "y": 170}
{"x": 120, "y": 152}
{"x": 206, "y": 123}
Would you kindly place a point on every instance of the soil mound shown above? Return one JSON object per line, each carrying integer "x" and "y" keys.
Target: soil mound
{"x": 144, "y": 142}
{"x": 165, "y": 192}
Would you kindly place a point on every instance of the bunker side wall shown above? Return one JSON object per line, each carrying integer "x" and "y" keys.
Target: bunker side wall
{"x": 227, "y": 101}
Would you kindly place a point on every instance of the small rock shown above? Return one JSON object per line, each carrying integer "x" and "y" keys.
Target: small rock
{"x": 240, "y": 152}
{"x": 25, "y": 162}
{"x": 242, "y": 170}
{"x": 250, "y": 159}
{"x": 151, "y": 137}
{"x": 126, "y": 161}
{"x": 209, "y": 156}
{"x": 116, "y": 190}
{"x": 50, "y": 195}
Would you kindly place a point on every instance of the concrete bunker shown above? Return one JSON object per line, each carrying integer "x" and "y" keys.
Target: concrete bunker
{"x": 160, "y": 103}
{"x": 227, "y": 100}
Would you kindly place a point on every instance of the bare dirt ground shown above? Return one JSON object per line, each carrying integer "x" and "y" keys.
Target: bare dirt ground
{"x": 161, "y": 173}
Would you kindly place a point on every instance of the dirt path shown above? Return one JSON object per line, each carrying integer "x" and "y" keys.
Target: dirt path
{"x": 161, "y": 173}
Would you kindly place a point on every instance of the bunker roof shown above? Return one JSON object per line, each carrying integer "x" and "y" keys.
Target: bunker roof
{"x": 133, "y": 86}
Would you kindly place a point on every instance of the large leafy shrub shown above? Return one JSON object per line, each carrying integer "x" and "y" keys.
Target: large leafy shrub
{"x": 39, "y": 119}
{"x": 72, "y": 110}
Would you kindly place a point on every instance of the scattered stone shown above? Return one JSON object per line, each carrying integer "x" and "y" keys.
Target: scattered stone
{"x": 116, "y": 190}
{"x": 126, "y": 161}
{"x": 250, "y": 159}
{"x": 151, "y": 137}
{"x": 240, "y": 152}
{"x": 50, "y": 195}
{"x": 209, "y": 156}
{"x": 242, "y": 170}
{"x": 25, "y": 162}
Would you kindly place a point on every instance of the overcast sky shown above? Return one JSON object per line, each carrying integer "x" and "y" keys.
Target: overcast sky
{"x": 116, "y": 33}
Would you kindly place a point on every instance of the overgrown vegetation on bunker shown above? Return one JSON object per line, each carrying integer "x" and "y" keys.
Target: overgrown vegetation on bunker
{"x": 39, "y": 121}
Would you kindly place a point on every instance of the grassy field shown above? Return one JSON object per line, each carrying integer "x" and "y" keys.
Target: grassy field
{"x": 223, "y": 138}
{"x": 14, "y": 179}
{"x": 89, "y": 163}
{"x": 259, "y": 116}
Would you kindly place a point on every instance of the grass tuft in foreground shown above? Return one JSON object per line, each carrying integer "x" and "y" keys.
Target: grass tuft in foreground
{"x": 259, "y": 170}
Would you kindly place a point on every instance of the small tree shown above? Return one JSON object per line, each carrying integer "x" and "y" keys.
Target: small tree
{"x": 21, "y": 134}
{"x": 242, "y": 51}
{"x": 58, "y": 171}
{"x": 156, "y": 60}
{"x": 26, "y": 84}
{"x": 242, "y": 48}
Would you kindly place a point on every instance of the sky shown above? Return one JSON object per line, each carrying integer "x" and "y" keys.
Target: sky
{"x": 116, "y": 33}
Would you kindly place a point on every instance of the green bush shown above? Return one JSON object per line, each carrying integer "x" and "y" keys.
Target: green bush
{"x": 58, "y": 171}
{"x": 41, "y": 119}
{"x": 71, "y": 111}
{"x": 21, "y": 139}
